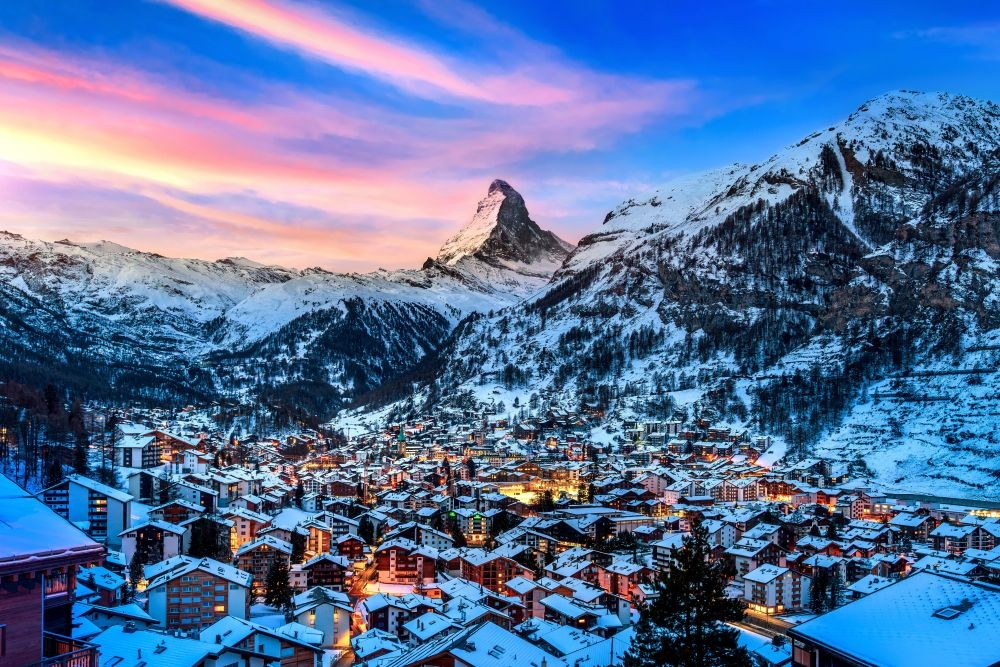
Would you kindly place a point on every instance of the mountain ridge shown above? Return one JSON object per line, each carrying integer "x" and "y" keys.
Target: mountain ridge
{"x": 196, "y": 321}
{"x": 782, "y": 296}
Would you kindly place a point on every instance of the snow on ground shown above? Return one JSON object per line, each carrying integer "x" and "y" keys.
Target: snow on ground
{"x": 374, "y": 587}
{"x": 269, "y": 617}
{"x": 774, "y": 453}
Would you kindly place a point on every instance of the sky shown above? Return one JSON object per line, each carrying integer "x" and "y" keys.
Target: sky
{"x": 356, "y": 135}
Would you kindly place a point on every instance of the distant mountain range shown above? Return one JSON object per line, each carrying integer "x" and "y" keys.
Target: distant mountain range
{"x": 119, "y": 323}
{"x": 842, "y": 295}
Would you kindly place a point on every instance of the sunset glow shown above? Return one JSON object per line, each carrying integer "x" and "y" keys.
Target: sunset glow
{"x": 309, "y": 133}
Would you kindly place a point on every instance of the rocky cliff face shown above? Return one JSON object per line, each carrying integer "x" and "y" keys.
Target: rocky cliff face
{"x": 502, "y": 234}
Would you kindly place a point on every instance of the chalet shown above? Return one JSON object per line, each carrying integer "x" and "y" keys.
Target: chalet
{"x": 936, "y": 620}
{"x": 529, "y": 593}
{"x": 319, "y": 537}
{"x": 956, "y": 538}
{"x": 246, "y": 525}
{"x": 487, "y": 569}
{"x": 623, "y": 576}
{"x": 137, "y": 451}
{"x": 749, "y": 554}
{"x": 108, "y": 586}
{"x": 389, "y": 612}
{"x": 340, "y": 525}
{"x": 328, "y": 570}
{"x": 283, "y": 648}
{"x": 191, "y": 593}
{"x": 175, "y": 511}
{"x": 257, "y": 556}
{"x": 375, "y": 644}
{"x": 153, "y": 541}
{"x": 102, "y": 617}
{"x": 401, "y": 561}
{"x": 329, "y": 612}
{"x": 99, "y": 510}
{"x": 430, "y": 625}
{"x": 913, "y": 525}
{"x": 854, "y": 505}
{"x": 771, "y": 589}
{"x": 351, "y": 547}
{"x": 664, "y": 550}
{"x": 39, "y": 558}
{"x": 422, "y": 535}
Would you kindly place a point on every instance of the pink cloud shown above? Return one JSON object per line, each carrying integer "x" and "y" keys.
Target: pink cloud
{"x": 322, "y": 35}
{"x": 309, "y": 179}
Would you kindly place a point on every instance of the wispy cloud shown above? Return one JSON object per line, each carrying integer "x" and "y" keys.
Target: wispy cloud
{"x": 982, "y": 38}
{"x": 309, "y": 178}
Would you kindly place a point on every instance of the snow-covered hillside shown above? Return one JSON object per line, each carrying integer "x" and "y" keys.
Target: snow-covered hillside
{"x": 233, "y": 325}
{"x": 785, "y": 294}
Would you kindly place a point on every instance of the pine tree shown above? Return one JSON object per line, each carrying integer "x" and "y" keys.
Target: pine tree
{"x": 646, "y": 644}
{"x": 458, "y": 536}
{"x": 366, "y": 530}
{"x": 277, "y": 591}
{"x": 546, "y": 502}
{"x": 298, "y": 547}
{"x": 81, "y": 447}
{"x": 818, "y": 590}
{"x": 686, "y": 624}
{"x": 837, "y": 592}
{"x": 207, "y": 540}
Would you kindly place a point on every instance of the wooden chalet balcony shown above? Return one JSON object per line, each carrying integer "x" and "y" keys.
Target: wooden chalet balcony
{"x": 63, "y": 651}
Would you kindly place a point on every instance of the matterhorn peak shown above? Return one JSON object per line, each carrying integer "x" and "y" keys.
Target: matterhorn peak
{"x": 503, "y": 233}
{"x": 502, "y": 186}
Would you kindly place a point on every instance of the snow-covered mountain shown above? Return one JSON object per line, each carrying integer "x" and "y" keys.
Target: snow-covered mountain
{"x": 100, "y": 315}
{"x": 502, "y": 234}
{"x": 843, "y": 294}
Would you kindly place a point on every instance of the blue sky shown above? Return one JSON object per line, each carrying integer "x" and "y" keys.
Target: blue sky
{"x": 355, "y": 135}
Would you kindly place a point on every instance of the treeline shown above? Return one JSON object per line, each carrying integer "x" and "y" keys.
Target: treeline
{"x": 41, "y": 439}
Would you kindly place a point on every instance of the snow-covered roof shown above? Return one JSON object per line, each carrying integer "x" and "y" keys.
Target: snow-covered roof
{"x": 168, "y": 570}
{"x": 567, "y": 639}
{"x": 31, "y": 530}
{"x": 765, "y": 574}
{"x": 427, "y": 625}
{"x": 133, "y": 648}
{"x": 924, "y": 619}
{"x": 103, "y": 489}
{"x": 869, "y": 584}
{"x": 492, "y": 646}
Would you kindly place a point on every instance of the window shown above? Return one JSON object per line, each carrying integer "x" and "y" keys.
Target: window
{"x": 801, "y": 656}
{"x": 56, "y": 583}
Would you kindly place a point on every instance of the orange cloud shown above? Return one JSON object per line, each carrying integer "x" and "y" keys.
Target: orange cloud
{"x": 310, "y": 178}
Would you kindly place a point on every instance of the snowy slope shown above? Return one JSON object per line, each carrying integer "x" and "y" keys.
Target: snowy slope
{"x": 502, "y": 234}
{"x": 777, "y": 294}
{"x": 218, "y": 323}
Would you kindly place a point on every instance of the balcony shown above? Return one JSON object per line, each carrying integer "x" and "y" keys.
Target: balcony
{"x": 60, "y": 651}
